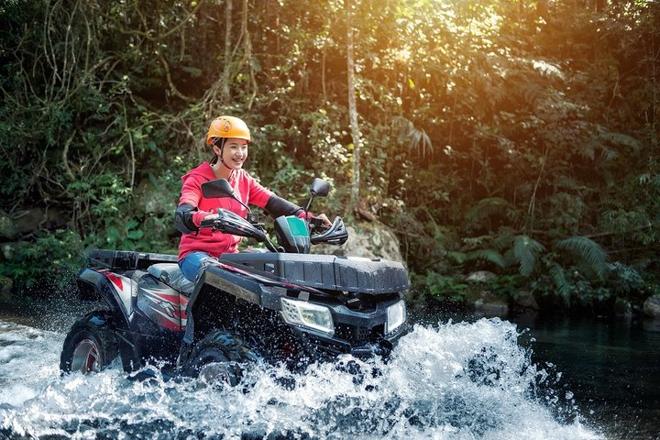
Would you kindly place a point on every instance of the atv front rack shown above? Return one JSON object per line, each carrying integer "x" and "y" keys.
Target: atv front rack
{"x": 328, "y": 272}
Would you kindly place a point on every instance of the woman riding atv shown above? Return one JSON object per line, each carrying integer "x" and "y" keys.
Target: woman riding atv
{"x": 229, "y": 137}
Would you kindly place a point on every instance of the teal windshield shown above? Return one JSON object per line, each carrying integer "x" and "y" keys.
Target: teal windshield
{"x": 297, "y": 226}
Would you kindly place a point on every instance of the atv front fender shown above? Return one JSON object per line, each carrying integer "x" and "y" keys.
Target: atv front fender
{"x": 95, "y": 285}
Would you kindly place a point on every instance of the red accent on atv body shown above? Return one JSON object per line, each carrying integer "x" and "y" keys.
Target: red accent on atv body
{"x": 115, "y": 279}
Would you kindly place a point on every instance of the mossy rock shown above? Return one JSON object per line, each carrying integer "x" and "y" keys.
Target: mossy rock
{"x": 7, "y": 228}
{"x": 652, "y": 307}
{"x": 366, "y": 239}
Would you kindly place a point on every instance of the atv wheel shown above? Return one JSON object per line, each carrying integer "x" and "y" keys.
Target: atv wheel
{"x": 217, "y": 357}
{"x": 90, "y": 345}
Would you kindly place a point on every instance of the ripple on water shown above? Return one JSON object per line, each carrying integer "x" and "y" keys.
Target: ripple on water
{"x": 451, "y": 381}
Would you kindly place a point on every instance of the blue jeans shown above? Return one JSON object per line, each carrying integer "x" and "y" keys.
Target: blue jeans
{"x": 192, "y": 263}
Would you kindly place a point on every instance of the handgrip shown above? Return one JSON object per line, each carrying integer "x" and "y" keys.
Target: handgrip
{"x": 208, "y": 223}
{"x": 335, "y": 234}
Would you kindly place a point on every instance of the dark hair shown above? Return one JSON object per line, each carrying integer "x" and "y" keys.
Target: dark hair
{"x": 217, "y": 142}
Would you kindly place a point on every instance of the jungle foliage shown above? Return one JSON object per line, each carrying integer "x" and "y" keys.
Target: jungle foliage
{"x": 515, "y": 136}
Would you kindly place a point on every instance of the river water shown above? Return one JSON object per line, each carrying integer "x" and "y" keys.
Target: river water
{"x": 474, "y": 379}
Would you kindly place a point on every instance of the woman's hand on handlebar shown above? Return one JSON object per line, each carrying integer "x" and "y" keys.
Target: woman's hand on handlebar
{"x": 326, "y": 221}
{"x": 320, "y": 221}
{"x": 209, "y": 221}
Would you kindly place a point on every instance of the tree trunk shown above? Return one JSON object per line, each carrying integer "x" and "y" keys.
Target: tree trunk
{"x": 323, "y": 57}
{"x": 352, "y": 110}
{"x": 600, "y": 5}
{"x": 226, "y": 76}
{"x": 247, "y": 45}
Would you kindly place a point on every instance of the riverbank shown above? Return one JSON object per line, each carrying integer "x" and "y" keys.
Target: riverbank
{"x": 486, "y": 293}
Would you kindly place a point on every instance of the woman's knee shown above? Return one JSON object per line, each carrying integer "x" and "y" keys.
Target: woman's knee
{"x": 192, "y": 263}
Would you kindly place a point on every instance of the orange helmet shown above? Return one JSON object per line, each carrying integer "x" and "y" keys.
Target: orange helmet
{"x": 228, "y": 127}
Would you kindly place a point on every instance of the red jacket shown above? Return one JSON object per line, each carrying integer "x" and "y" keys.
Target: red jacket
{"x": 215, "y": 242}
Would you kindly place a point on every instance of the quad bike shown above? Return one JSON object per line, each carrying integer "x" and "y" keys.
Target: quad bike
{"x": 282, "y": 305}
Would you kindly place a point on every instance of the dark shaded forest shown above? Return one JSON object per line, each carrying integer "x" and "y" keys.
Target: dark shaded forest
{"x": 517, "y": 137}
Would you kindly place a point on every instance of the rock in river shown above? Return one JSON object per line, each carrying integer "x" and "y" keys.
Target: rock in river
{"x": 652, "y": 306}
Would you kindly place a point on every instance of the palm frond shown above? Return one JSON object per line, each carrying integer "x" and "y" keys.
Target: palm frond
{"x": 586, "y": 252}
{"x": 489, "y": 255}
{"x": 525, "y": 251}
{"x": 414, "y": 137}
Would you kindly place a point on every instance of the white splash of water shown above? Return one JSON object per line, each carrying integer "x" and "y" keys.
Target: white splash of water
{"x": 451, "y": 381}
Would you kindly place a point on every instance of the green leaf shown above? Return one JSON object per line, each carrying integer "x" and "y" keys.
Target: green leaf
{"x": 135, "y": 234}
{"x": 112, "y": 235}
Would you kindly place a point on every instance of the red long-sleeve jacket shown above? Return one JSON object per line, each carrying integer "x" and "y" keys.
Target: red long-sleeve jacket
{"x": 246, "y": 188}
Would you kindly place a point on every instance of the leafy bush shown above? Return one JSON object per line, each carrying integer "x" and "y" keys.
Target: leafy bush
{"x": 45, "y": 265}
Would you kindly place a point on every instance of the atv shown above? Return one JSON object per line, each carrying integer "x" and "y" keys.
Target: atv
{"x": 283, "y": 304}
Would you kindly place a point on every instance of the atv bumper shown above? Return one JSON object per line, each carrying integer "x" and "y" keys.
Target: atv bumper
{"x": 318, "y": 344}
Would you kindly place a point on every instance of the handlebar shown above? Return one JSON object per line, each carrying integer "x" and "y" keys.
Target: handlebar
{"x": 231, "y": 223}
{"x": 316, "y": 224}
{"x": 335, "y": 234}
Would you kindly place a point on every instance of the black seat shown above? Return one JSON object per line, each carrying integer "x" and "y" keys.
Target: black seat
{"x": 170, "y": 274}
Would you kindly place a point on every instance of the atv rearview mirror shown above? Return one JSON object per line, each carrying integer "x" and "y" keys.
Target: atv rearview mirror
{"x": 220, "y": 188}
{"x": 217, "y": 188}
{"x": 319, "y": 187}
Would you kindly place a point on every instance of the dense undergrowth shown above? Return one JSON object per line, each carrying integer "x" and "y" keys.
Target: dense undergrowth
{"x": 517, "y": 137}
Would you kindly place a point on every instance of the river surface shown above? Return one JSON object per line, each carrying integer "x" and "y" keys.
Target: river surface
{"x": 447, "y": 379}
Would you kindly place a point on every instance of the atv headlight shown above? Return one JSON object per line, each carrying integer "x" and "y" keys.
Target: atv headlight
{"x": 308, "y": 315}
{"x": 396, "y": 315}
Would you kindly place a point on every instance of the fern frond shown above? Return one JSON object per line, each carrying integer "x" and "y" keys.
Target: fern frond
{"x": 510, "y": 258}
{"x": 586, "y": 252}
{"x": 588, "y": 150}
{"x": 620, "y": 139}
{"x": 456, "y": 257}
{"x": 489, "y": 255}
{"x": 561, "y": 283}
{"x": 503, "y": 240}
{"x": 609, "y": 154}
{"x": 525, "y": 251}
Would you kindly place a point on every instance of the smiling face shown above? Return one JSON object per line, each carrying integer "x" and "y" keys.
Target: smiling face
{"x": 234, "y": 153}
